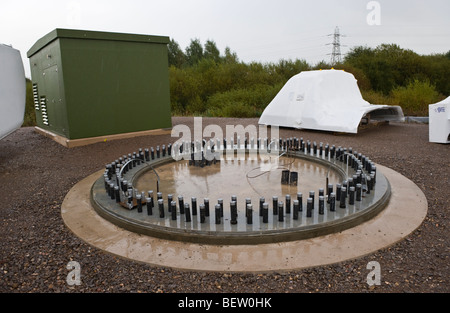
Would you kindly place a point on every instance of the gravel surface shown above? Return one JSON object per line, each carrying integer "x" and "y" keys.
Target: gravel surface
{"x": 35, "y": 246}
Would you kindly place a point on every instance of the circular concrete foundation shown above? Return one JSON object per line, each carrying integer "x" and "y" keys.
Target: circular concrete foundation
{"x": 405, "y": 211}
{"x": 240, "y": 175}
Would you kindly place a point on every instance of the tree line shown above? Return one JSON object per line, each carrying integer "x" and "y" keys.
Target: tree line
{"x": 205, "y": 82}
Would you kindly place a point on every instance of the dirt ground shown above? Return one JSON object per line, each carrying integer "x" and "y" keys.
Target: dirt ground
{"x": 35, "y": 246}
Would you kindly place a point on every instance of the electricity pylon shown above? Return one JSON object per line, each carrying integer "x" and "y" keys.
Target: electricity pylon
{"x": 336, "y": 52}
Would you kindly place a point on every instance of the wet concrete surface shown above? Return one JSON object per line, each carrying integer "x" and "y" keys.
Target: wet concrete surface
{"x": 244, "y": 179}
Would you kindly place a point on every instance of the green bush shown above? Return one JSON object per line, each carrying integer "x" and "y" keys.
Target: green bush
{"x": 233, "y": 109}
{"x": 374, "y": 97}
{"x": 251, "y": 102}
{"x": 30, "y": 116}
{"x": 415, "y": 97}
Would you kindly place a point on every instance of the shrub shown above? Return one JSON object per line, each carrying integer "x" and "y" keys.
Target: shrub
{"x": 415, "y": 97}
{"x": 30, "y": 116}
{"x": 233, "y": 109}
{"x": 249, "y": 101}
{"x": 374, "y": 97}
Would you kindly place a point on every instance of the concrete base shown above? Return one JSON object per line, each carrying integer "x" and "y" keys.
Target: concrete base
{"x": 71, "y": 143}
{"x": 405, "y": 212}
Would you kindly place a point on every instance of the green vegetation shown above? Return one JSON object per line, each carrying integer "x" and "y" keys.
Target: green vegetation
{"x": 415, "y": 97}
{"x": 402, "y": 77}
{"x": 204, "y": 82}
{"x": 30, "y": 117}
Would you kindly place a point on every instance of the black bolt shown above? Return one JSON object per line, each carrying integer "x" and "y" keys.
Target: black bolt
{"x": 351, "y": 196}
{"x": 220, "y": 202}
{"x": 321, "y": 204}
{"x": 275, "y": 205}
{"x": 265, "y": 213}
{"x": 217, "y": 210}
{"x": 338, "y": 192}
{"x": 288, "y": 204}
{"x": 329, "y": 191}
{"x": 249, "y": 213}
{"x": 150, "y": 195}
{"x": 124, "y": 185}
{"x": 117, "y": 194}
{"x": 332, "y": 202}
{"x": 169, "y": 201}
{"x": 300, "y": 201}
{"x": 206, "y": 202}
{"x": 161, "y": 208}
{"x": 149, "y": 206}
{"x": 358, "y": 192}
{"x": 181, "y": 204}
{"x": 311, "y": 195}
{"x": 233, "y": 211}
{"x": 187, "y": 212}
{"x": 173, "y": 209}
{"x": 296, "y": 209}
{"x": 261, "y": 203}
{"x": 351, "y": 183}
{"x": 342, "y": 203}
{"x": 280, "y": 211}
{"x": 139, "y": 203}
{"x": 369, "y": 184}
{"x": 194, "y": 205}
{"x": 202, "y": 212}
{"x": 309, "y": 207}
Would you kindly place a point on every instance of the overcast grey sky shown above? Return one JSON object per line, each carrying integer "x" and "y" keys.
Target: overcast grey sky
{"x": 257, "y": 30}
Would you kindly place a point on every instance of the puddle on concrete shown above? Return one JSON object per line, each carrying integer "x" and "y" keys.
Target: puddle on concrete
{"x": 243, "y": 179}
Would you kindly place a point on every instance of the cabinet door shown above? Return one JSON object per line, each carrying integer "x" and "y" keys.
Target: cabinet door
{"x": 54, "y": 105}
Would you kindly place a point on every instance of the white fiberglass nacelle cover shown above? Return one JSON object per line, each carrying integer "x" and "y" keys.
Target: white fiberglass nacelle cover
{"x": 439, "y": 121}
{"x": 327, "y": 100}
{"x": 12, "y": 90}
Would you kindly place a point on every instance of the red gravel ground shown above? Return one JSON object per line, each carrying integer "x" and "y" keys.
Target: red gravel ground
{"x": 35, "y": 246}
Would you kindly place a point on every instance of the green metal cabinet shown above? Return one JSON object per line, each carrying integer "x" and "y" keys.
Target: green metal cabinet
{"x": 89, "y": 83}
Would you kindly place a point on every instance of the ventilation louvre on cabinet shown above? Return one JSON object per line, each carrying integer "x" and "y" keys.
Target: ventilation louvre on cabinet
{"x": 35, "y": 97}
{"x": 43, "y": 103}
